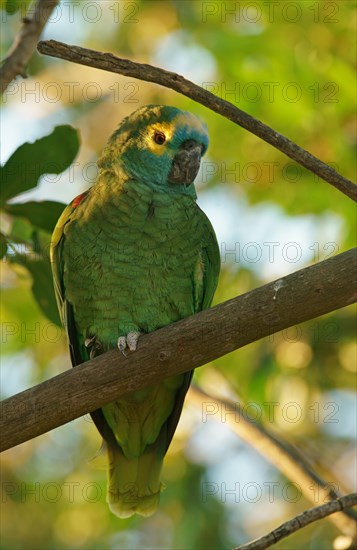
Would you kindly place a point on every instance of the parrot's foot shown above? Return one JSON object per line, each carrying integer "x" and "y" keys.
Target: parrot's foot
{"x": 129, "y": 341}
{"x": 93, "y": 346}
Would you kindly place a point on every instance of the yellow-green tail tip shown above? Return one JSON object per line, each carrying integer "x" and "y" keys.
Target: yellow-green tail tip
{"x": 124, "y": 505}
{"x": 134, "y": 483}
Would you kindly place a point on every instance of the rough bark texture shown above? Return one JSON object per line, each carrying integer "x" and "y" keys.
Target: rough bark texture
{"x": 180, "y": 347}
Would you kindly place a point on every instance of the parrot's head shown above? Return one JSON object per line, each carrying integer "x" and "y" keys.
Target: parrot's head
{"x": 159, "y": 145}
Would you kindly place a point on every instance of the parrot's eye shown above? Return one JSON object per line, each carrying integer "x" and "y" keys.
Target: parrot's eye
{"x": 159, "y": 138}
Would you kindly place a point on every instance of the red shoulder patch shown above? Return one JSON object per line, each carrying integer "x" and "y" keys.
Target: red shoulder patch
{"x": 78, "y": 200}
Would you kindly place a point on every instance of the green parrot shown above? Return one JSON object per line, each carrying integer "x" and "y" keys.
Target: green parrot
{"x": 130, "y": 255}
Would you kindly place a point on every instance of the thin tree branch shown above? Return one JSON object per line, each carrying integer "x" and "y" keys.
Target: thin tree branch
{"x": 25, "y": 43}
{"x": 109, "y": 62}
{"x": 300, "y": 521}
{"x": 180, "y": 347}
{"x": 282, "y": 455}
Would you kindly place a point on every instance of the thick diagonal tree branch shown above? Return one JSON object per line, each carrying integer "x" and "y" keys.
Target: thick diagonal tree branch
{"x": 300, "y": 521}
{"x": 110, "y": 62}
{"x": 180, "y": 347}
{"x": 25, "y": 44}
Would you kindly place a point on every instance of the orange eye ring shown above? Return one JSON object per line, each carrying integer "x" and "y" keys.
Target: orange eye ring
{"x": 159, "y": 138}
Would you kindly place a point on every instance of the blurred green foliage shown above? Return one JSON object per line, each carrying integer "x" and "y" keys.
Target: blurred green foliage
{"x": 49, "y": 155}
{"x": 12, "y": 6}
{"x": 290, "y": 65}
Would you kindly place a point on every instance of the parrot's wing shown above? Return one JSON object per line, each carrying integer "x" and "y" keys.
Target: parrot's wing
{"x": 211, "y": 263}
{"x": 172, "y": 421}
{"x": 78, "y": 354}
{"x": 205, "y": 287}
{"x": 64, "y": 306}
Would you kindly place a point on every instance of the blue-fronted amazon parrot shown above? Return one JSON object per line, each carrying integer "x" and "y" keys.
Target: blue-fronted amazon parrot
{"x": 133, "y": 254}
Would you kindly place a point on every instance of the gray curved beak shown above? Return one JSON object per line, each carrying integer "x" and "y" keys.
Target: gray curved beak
{"x": 186, "y": 163}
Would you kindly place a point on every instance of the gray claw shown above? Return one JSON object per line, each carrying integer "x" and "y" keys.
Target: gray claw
{"x": 129, "y": 341}
{"x": 94, "y": 346}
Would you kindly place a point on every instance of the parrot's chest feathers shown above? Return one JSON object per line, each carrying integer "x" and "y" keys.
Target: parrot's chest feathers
{"x": 139, "y": 261}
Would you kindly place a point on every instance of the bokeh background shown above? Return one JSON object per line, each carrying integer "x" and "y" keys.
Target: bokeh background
{"x": 290, "y": 64}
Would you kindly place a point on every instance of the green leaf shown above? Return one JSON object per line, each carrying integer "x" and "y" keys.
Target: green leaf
{"x": 12, "y": 6}
{"x": 3, "y": 245}
{"x": 42, "y": 285}
{"x": 43, "y": 215}
{"x": 49, "y": 155}
{"x": 21, "y": 231}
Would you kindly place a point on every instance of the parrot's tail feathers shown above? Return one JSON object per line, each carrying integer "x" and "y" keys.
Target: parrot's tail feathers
{"x": 134, "y": 484}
